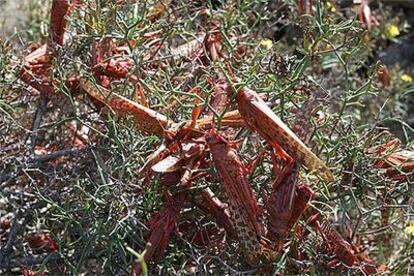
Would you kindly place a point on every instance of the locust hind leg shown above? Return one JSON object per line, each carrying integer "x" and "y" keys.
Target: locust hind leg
{"x": 280, "y": 201}
{"x": 162, "y": 226}
{"x": 209, "y": 204}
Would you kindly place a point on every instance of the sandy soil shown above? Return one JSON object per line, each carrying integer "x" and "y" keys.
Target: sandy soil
{"x": 11, "y": 14}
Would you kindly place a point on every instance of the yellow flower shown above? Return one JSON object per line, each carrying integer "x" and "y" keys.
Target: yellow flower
{"x": 392, "y": 31}
{"x": 121, "y": 207}
{"x": 307, "y": 44}
{"x": 406, "y": 78}
{"x": 330, "y": 7}
{"x": 410, "y": 228}
{"x": 266, "y": 43}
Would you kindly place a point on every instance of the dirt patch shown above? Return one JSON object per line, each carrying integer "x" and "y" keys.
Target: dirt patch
{"x": 12, "y": 13}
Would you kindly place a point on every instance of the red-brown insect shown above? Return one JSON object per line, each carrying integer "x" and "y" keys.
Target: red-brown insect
{"x": 337, "y": 245}
{"x": 305, "y": 7}
{"x": 365, "y": 14}
{"x": 286, "y": 203}
{"x": 398, "y": 163}
{"x": 60, "y": 8}
{"x": 346, "y": 253}
{"x": 146, "y": 119}
{"x": 196, "y": 144}
{"x": 243, "y": 205}
{"x": 36, "y": 66}
{"x": 41, "y": 242}
{"x": 259, "y": 117}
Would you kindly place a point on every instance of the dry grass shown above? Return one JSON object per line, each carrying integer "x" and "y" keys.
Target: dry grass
{"x": 320, "y": 76}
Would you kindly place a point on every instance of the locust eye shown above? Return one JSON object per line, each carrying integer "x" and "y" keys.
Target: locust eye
{"x": 212, "y": 138}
